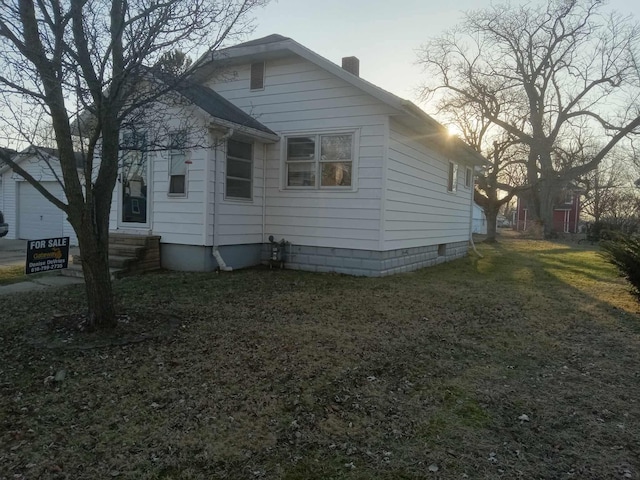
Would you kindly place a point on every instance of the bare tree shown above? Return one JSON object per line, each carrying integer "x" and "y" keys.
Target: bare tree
{"x": 602, "y": 189}
{"x": 503, "y": 178}
{"x": 544, "y": 75}
{"x": 89, "y": 69}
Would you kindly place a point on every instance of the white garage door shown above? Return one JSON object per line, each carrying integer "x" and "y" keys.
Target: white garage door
{"x": 37, "y": 216}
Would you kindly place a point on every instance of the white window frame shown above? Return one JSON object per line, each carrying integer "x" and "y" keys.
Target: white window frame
{"x": 468, "y": 179}
{"x": 318, "y": 134}
{"x": 226, "y": 169}
{"x": 177, "y": 151}
{"x": 452, "y": 177}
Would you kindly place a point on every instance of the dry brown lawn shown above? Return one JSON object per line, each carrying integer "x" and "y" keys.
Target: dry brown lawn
{"x": 522, "y": 364}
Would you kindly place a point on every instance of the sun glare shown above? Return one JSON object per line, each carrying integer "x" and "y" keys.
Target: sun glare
{"x": 453, "y": 131}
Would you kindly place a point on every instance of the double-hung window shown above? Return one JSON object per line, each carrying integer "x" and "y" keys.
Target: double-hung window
{"x": 239, "y": 170}
{"x": 177, "y": 164}
{"x": 468, "y": 178}
{"x": 319, "y": 161}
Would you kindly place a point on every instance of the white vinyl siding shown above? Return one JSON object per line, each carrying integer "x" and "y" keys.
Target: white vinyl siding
{"x": 300, "y": 98}
{"x": 239, "y": 220}
{"x": 419, "y": 209}
{"x": 178, "y": 218}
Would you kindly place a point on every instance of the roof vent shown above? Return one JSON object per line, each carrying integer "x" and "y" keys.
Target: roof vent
{"x": 351, "y": 65}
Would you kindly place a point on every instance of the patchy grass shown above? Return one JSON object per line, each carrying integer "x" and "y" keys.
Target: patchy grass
{"x": 522, "y": 364}
{"x": 13, "y": 274}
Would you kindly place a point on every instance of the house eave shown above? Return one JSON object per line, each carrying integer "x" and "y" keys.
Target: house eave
{"x": 264, "y": 137}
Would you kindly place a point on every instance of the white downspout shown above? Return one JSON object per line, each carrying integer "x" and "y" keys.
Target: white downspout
{"x": 264, "y": 190}
{"x": 217, "y": 199}
{"x": 473, "y": 245}
{"x": 223, "y": 266}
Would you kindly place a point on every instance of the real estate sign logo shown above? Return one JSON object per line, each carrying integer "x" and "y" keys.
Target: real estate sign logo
{"x": 47, "y": 254}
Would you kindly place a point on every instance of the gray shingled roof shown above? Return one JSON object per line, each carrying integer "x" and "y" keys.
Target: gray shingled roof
{"x": 273, "y": 38}
{"x": 219, "y": 107}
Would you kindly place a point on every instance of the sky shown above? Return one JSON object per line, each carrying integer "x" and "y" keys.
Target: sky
{"x": 383, "y": 34}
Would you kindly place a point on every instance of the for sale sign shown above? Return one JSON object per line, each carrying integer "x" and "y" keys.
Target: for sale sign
{"x": 47, "y": 254}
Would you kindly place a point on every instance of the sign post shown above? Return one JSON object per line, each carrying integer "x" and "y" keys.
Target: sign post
{"x": 47, "y": 254}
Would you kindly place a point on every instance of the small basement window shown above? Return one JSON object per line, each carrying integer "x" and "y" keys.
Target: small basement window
{"x": 257, "y": 76}
{"x": 442, "y": 249}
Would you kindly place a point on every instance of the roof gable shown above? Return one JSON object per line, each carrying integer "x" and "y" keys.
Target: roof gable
{"x": 45, "y": 153}
{"x": 409, "y": 114}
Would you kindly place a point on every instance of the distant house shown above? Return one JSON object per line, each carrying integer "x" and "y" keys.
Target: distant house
{"x": 479, "y": 224}
{"x": 349, "y": 177}
{"x": 566, "y": 212}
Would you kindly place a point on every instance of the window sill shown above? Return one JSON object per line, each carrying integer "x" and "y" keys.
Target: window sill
{"x": 238, "y": 200}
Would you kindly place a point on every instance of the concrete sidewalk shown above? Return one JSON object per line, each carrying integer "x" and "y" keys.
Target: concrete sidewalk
{"x": 40, "y": 283}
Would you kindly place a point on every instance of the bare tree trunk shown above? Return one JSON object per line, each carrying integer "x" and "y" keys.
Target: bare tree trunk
{"x": 99, "y": 294}
{"x": 546, "y": 195}
{"x": 492, "y": 223}
{"x": 94, "y": 248}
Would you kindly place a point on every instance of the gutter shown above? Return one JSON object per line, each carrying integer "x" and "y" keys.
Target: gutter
{"x": 253, "y": 132}
{"x": 264, "y": 190}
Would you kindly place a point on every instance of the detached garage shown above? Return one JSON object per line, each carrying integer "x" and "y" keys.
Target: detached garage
{"x": 29, "y": 214}
{"x": 38, "y": 217}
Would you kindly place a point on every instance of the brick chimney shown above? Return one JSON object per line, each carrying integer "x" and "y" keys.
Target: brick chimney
{"x": 351, "y": 65}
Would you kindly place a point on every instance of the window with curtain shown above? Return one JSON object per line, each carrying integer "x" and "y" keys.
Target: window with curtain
{"x": 319, "y": 161}
{"x": 177, "y": 164}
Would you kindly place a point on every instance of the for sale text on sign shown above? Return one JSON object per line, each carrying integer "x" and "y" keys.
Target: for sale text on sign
{"x": 47, "y": 254}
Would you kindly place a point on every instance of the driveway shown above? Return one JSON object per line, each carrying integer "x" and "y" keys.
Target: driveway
{"x": 12, "y": 252}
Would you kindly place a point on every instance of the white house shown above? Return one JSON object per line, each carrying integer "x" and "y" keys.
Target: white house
{"x": 354, "y": 179}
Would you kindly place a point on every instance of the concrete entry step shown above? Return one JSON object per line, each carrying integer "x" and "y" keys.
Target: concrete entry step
{"x": 75, "y": 270}
{"x": 128, "y": 255}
